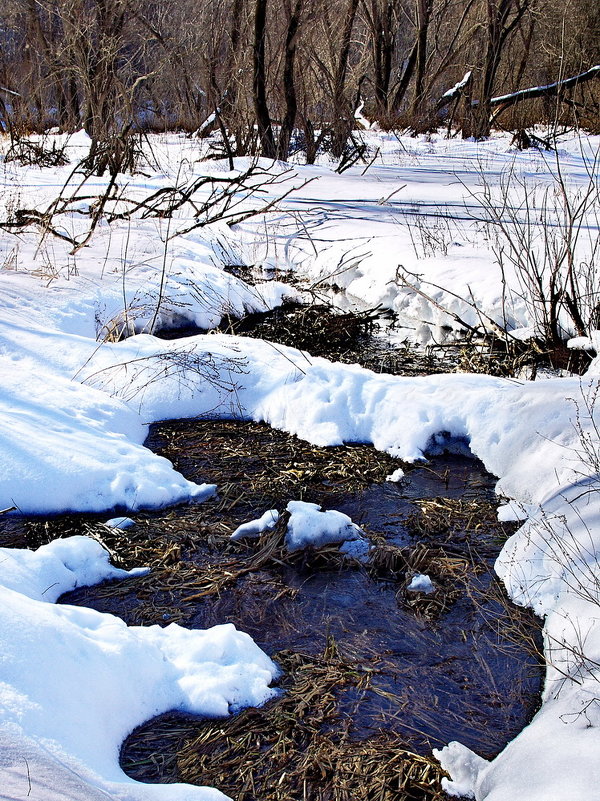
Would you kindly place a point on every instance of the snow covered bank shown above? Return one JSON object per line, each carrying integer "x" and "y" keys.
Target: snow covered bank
{"x": 425, "y": 231}
{"x": 77, "y": 444}
{"x": 75, "y": 682}
{"x": 75, "y": 408}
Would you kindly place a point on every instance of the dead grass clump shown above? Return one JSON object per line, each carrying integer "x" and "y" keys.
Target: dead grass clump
{"x": 177, "y": 583}
{"x": 449, "y": 573}
{"x": 256, "y": 466}
{"x": 320, "y": 329}
{"x": 457, "y": 520}
{"x": 131, "y": 547}
{"x": 299, "y": 746}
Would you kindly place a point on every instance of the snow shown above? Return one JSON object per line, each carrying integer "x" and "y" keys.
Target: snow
{"x": 101, "y": 678}
{"x": 396, "y": 476}
{"x": 421, "y": 582}
{"x": 58, "y": 567}
{"x": 120, "y": 522}
{"x": 309, "y": 526}
{"x": 456, "y": 89}
{"x": 589, "y": 343}
{"x": 254, "y": 528}
{"x": 534, "y": 90}
{"x": 76, "y": 404}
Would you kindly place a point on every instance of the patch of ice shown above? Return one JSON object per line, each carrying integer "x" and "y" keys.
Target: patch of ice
{"x": 357, "y": 549}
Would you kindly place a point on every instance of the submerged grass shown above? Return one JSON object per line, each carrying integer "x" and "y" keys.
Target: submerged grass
{"x": 253, "y": 463}
{"x": 298, "y": 747}
{"x": 350, "y": 716}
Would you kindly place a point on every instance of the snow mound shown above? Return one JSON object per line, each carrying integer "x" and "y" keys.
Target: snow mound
{"x": 308, "y": 526}
{"x": 421, "y": 583}
{"x": 254, "y": 528}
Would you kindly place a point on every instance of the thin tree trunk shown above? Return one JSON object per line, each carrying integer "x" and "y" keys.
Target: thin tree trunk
{"x": 289, "y": 85}
{"x": 342, "y": 113}
{"x": 406, "y": 77}
{"x": 263, "y": 118}
{"x": 423, "y": 10}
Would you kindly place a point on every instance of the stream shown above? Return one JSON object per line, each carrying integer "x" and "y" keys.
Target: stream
{"x": 422, "y": 668}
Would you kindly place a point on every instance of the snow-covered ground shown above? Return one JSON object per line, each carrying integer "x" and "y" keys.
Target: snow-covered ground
{"x": 76, "y": 404}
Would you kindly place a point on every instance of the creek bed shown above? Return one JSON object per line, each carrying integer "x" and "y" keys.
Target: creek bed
{"x": 373, "y": 675}
{"x": 421, "y": 670}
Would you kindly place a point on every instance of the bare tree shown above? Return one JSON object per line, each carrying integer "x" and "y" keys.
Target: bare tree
{"x": 501, "y": 19}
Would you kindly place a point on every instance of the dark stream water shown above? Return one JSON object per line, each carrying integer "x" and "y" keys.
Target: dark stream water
{"x": 466, "y": 672}
{"x": 455, "y": 675}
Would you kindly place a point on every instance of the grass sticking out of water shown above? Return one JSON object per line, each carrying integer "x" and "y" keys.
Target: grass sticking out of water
{"x": 298, "y": 747}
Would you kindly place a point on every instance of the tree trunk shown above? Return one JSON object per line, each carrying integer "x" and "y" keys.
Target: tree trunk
{"x": 289, "y": 85}
{"x": 263, "y": 118}
{"x": 342, "y": 113}
{"x": 423, "y": 14}
{"x": 499, "y": 26}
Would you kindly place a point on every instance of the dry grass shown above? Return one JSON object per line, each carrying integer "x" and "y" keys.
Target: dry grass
{"x": 454, "y": 520}
{"x": 252, "y": 463}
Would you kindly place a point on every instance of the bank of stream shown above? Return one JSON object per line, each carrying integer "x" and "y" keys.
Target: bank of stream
{"x": 374, "y": 674}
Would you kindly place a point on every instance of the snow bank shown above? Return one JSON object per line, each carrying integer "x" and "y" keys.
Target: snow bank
{"x": 58, "y": 567}
{"x": 522, "y": 431}
{"x": 101, "y": 678}
{"x": 412, "y": 234}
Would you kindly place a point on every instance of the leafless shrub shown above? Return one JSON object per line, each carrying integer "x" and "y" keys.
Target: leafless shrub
{"x": 586, "y": 424}
{"x": 191, "y": 370}
{"x": 28, "y": 152}
{"x": 225, "y": 198}
{"x": 547, "y": 238}
{"x": 115, "y": 153}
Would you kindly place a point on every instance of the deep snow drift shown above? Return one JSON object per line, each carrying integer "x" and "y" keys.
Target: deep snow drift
{"x": 76, "y": 404}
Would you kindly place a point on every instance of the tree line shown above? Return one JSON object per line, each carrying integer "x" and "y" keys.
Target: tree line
{"x": 280, "y": 75}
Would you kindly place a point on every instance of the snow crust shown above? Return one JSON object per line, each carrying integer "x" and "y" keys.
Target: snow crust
{"x": 75, "y": 406}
